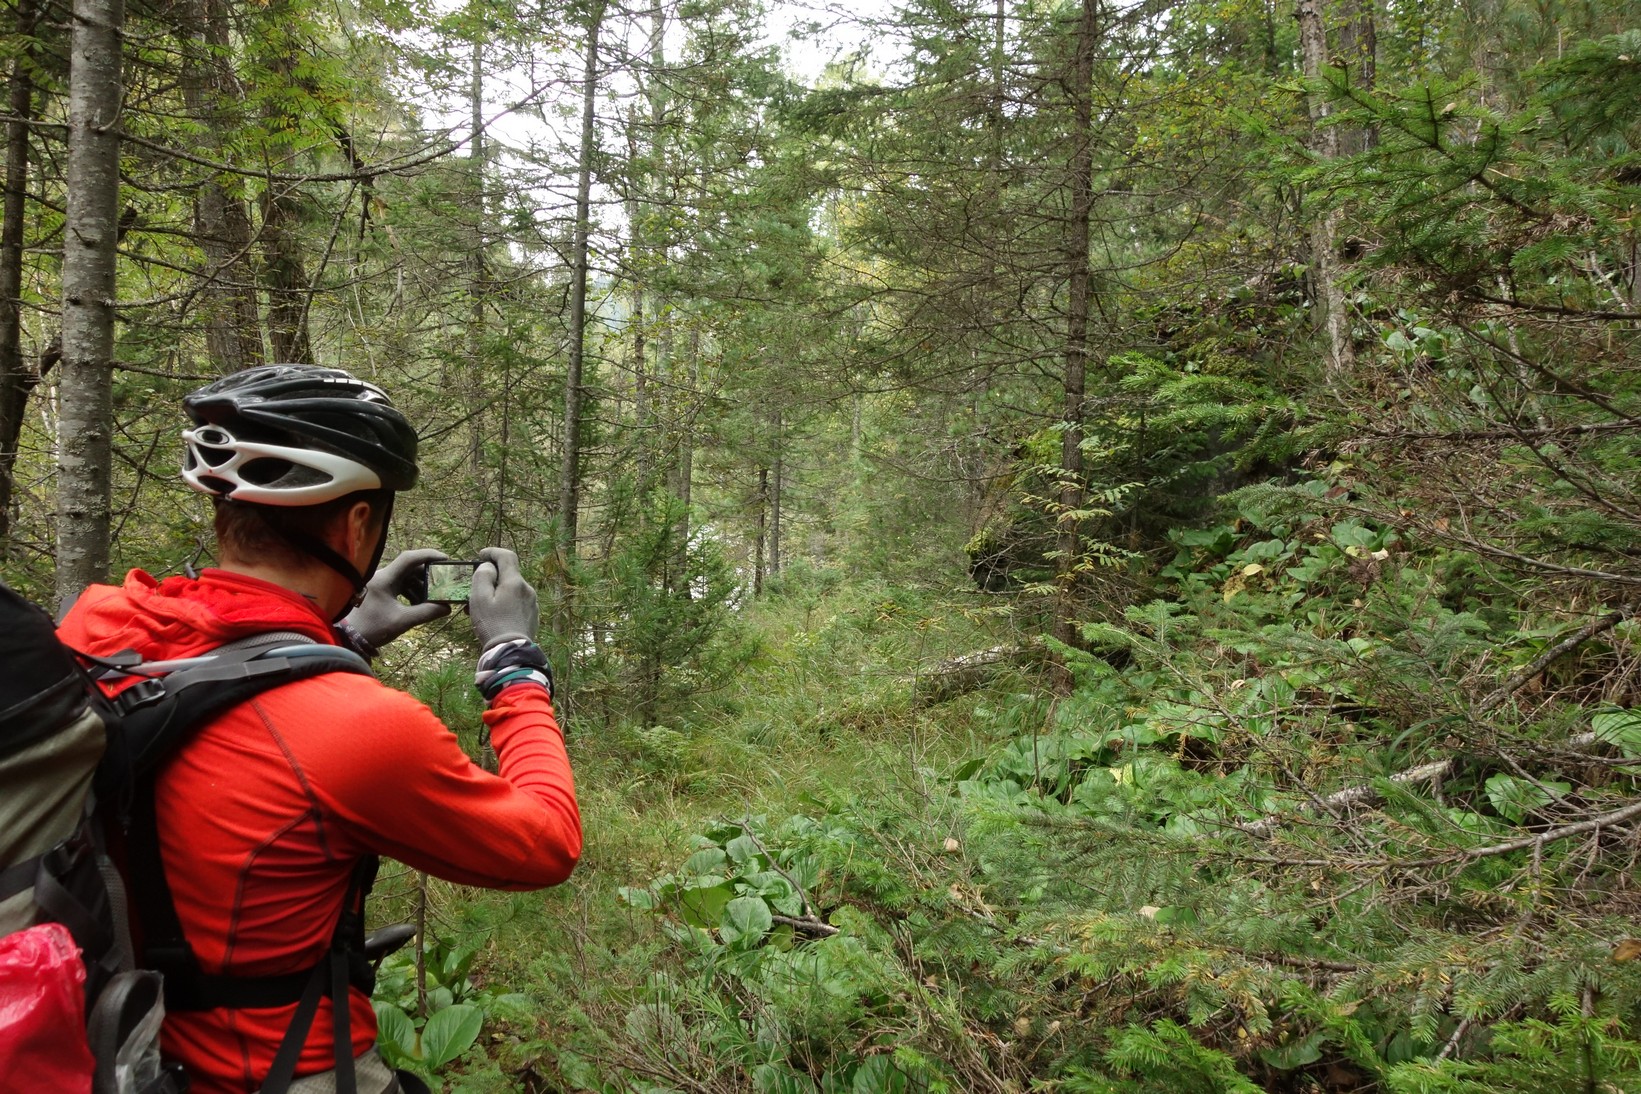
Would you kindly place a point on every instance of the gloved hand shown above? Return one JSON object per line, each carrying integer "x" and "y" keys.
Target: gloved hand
{"x": 502, "y": 603}
{"x": 380, "y": 617}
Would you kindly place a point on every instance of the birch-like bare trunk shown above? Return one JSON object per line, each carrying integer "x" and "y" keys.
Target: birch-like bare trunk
{"x": 90, "y": 232}
{"x": 569, "y": 491}
{"x": 1326, "y": 270}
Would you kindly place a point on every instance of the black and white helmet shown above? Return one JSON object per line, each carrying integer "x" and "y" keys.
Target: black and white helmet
{"x": 293, "y": 435}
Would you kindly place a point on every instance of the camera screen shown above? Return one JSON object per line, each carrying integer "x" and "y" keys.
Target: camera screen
{"x": 450, "y": 582}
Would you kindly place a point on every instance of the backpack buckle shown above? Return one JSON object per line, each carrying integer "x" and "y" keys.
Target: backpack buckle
{"x": 141, "y": 694}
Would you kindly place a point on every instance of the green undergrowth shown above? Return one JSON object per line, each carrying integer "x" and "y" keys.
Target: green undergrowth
{"x": 827, "y": 705}
{"x": 816, "y": 883}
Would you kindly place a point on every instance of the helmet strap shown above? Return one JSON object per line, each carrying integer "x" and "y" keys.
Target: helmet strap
{"x": 331, "y": 557}
{"x": 381, "y": 541}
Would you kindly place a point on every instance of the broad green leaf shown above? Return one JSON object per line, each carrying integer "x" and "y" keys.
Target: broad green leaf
{"x": 1515, "y": 798}
{"x": 1296, "y": 1053}
{"x": 708, "y": 860}
{"x": 743, "y": 850}
{"x": 879, "y": 1075}
{"x": 703, "y": 905}
{"x": 1181, "y": 825}
{"x": 779, "y": 1079}
{"x": 454, "y": 968}
{"x": 746, "y": 919}
{"x": 656, "y": 1024}
{"x": 1176, "y": 915}
{"x": 450, "y": 1033}
{"x": 805, "y": 870}
{"x": 775, "y": 889}
{"x": 636, "y": 897}
{"x": 1350, "y": 533}
{"x": 396, "y": 1033}
{"x": 1621, "y": 728}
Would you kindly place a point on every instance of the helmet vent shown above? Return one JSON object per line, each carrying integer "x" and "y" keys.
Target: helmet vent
{"x": 265, "y": 472}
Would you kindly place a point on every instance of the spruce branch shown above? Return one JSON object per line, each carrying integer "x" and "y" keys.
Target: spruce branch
{"x": 1431, "y": 772}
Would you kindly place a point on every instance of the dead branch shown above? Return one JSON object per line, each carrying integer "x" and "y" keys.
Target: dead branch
{"x": 1536, "y": 843}
{"x": 1431, "y": 772}
{"x": 1344, "y": 799}
{"x": 1521, "y": 676}
{"x": 972, "y": 671}
{"x": 807, "y": 924}
{"x": 775, "y": 865}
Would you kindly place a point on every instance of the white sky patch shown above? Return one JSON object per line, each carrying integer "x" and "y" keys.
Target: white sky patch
{"x": 531, "y": 101}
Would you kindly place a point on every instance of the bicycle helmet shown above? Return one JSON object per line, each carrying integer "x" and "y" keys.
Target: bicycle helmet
{"x": 292, "y": 435}
{"x": 298, "y": 435}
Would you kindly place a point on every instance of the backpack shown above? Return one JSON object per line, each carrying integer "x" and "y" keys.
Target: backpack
{"x": 81, "y": 740}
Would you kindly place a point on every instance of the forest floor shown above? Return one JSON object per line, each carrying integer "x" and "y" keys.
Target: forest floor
{"x": 826, "y": 709}
{"x": 814, "y": 879}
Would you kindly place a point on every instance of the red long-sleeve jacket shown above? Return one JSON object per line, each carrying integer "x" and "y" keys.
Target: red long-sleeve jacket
{"x": 263, "y": 813}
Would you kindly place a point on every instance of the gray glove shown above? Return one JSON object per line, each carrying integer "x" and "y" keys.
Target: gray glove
{"x": 502, "y": 603}
{"x": 380, "y": 616}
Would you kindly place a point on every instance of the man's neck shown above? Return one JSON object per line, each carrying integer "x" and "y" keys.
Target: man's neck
{"x": 318, "y": 584}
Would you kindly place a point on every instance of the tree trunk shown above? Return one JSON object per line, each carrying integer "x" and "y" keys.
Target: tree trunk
{"x": 763, "y": 532}
{"x": 1079, "y": 281}
{"x": 776, "y": 474}
{"x": 472, "y": 385}
{"x": 16, "y": 379}
{"x": 284, "y": 272}
{"x": 569, "y": 493}
{"x": 1359, "y": 51}
{"x": 650, "y": 407}
{"x": 684, "y": 470}
{"x": 640, "y": 367}
{"x": 1331, "y": 312}
{"x": 89, "y": 237}
{"x": 222, "y": 223}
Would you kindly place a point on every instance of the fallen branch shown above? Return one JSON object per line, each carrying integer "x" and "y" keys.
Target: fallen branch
{"x": 1431, "y": 772}
{"x": 1536, "y": 842}
{"x": 774, "y": 864}
{"x": 1344, "y": 799}
{"x": 972, "y": 671}
{"x": 1520, "y": 677}
{"x": 807, "y": 924}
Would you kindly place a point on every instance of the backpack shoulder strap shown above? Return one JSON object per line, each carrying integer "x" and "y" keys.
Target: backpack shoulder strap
{"x": 173, "y": 698}
{"x": 156, "y": 721}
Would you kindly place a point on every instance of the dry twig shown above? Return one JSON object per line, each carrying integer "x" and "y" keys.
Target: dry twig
{"x": 1431, "y": 772}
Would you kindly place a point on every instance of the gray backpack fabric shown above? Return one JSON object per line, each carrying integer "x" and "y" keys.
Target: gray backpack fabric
{"x": 46, "y": 786}
{"x": 54, "y": 732}
{"x": 74, "y": 765}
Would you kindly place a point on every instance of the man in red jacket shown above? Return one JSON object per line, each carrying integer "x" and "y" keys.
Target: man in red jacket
{"x": 263, "y": 815}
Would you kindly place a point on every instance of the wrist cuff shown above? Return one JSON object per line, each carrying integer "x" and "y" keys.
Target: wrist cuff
{"x": 517, "y": 661}
{"x": 504, "y": 680}
{"x": 348, "y": 636}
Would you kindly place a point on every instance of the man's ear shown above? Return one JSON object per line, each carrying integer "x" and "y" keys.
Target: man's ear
{"x": 360, "y": 526}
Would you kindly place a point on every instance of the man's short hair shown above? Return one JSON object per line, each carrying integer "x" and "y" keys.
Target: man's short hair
{"x": 259, "y": 533}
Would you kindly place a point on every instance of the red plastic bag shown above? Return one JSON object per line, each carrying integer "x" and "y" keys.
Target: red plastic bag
{"x": 42, "y": 1013}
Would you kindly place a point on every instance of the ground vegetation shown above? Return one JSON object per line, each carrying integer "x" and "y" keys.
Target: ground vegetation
{"x": 1088, "y": 546}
